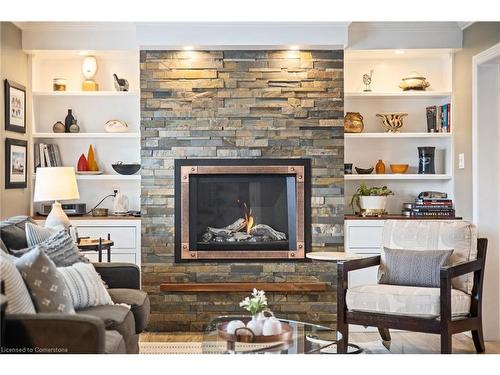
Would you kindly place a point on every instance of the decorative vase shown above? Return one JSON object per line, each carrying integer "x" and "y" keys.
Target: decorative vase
{"x": 58, "y": 127}
{"x": 380, "y": 167}
{"x": 353, "y": 122}
{"x": 74, "y": 128}
{"x": 92, "y": 163}
{"x": 68, "y": 121}
{"x": 426, "y": 160}
{"x": 82, "y": 165}
{"x": 233, "y": 325}
{"x": 392, "y": 121}
{"x": 256, "y": 324}
{"x": 272, "y": 326}
{"x": 347, "y": 168}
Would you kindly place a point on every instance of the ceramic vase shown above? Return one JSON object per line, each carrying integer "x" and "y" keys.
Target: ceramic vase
{"x": 426, "y": 160}
{"x": 233, "y": 325}
{"x": 256, "y": 324}
{"x": 272, "y": 326}
{"x": 380, "y": 167}
{"x": 68, "y": 121}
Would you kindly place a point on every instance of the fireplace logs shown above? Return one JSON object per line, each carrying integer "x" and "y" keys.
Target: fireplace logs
{"x": 234, "y": 233}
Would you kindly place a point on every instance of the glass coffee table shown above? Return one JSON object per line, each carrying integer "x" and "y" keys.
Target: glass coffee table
{"x": 304, "y": 338}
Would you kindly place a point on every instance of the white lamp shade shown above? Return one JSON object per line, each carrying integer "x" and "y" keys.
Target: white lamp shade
{"x": 55, "y": 184}
{"x": 89, "y": 67}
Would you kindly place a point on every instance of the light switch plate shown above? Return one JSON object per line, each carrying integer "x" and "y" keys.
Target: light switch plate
{"x": 461, "y": 161}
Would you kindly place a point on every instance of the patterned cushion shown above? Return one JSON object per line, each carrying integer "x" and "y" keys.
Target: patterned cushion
{"x": 60, "y": 248}
{"x": 15, "y": 289}
{"x": 413, "y": 268}
{"x": 459, "y": 236}
{"x": 36, "y": 234}
{"x": 44, "y": 282}
{"x": 404, "y": 300}
{"x": 85, "y": 286}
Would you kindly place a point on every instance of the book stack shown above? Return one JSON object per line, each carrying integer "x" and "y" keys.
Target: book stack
{"x": 430, "y": 207}
{"x": 438, "y": 119}
{"x": 47, "y": 155}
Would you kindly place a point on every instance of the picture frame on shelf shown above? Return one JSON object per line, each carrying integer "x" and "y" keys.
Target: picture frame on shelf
{"x": 15, "y": 107}
{"x": 16, "y": 163}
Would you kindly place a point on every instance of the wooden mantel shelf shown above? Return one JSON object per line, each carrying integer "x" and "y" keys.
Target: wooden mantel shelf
{"x": 243, "y": 287}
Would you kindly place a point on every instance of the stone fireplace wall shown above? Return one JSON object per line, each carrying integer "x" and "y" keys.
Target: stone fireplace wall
{"x": 239, "y": 104}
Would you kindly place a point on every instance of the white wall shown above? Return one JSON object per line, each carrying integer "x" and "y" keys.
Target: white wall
{"x": 14, "y": 65}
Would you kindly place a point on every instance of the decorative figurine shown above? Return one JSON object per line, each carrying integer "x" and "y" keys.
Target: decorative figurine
{"x": 353, "y": 122}
{"x": 121, "y": 84}
{"x": 367, "y": 80}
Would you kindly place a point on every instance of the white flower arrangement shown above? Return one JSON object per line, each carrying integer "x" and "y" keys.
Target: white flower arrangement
{"x": 256, "y": 304}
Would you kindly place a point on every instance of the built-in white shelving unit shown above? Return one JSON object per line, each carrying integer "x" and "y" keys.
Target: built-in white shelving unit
{"x": 92, "y": 109}
{"x": 395, "y": 176}
{"x": 366, "y": 148}
{"x": 132, "y": 135}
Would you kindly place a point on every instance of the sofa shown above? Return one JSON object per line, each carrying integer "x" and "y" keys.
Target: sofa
{"x": 110, "y": 329}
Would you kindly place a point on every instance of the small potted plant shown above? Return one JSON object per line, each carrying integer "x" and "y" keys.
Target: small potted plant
{"x": 256, "y": 305}
{"x": 371, "y": 201}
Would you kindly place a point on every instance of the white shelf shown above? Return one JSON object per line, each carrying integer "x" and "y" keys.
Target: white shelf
{"x": 86, "y": 93}
{"x": 133, "y": 135}
{"x": 397, "y": 135}
{"x": 109, "y": 177}
{"x": 397, "y": 94}
{"x": 389, "y": 176}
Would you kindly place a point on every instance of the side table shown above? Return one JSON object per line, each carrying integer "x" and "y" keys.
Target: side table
{"x": 95, "y": 244}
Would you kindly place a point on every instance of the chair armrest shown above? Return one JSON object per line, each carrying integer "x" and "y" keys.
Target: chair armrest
{"x": 356, "y": 264}
{"x": 343, "y": 268}
{"x": 54, "y": 333}
{"x": 119, "y": 275}
{"x": 461, "y": 268}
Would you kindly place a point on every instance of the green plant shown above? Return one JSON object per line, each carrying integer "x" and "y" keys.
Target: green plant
{"x": 365, "y": 191}
{"x": 256, "y": 304}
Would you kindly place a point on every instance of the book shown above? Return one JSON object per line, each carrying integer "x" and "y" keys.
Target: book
{"x": 444, "y": 110}
{"x": 448, "y": 108}
{"x": 43, "y": 163}
{"x": 57, "y": 156}
{"x": 431, "y": 119}
{"x": 36, "y": 156}
{"x": 46, "y": 155}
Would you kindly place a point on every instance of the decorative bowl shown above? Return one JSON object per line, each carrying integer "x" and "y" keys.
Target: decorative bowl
{"x": 126, "y": 169}
{"x": 392, "y": 121}
{"x": 414, "y": 81}
{"x": 364, "y": 170}
{"x": 100, "y": 212}
{"x": 399, "y": 168}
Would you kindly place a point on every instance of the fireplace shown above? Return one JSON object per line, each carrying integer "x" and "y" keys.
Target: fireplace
{"x": 242, "y": 209}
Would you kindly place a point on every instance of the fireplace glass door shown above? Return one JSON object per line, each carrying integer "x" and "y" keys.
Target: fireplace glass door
{"x": 242, "y": 212}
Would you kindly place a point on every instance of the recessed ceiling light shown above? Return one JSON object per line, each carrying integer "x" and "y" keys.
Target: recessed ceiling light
{"x": 294, "y": 48}
{"x": 399, "y": 52}
{"x": 188, "y": 48}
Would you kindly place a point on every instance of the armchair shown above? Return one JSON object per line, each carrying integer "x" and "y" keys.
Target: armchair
{"x": 452, "y": 308}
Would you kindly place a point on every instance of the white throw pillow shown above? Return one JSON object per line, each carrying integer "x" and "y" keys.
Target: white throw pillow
{"x": 85, "y": 286}
{"x": 36, "y": 234}
{"x": 18, "y": 297}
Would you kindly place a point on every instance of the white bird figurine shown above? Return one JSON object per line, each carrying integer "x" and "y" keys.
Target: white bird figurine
{"x": 367, "y": 80}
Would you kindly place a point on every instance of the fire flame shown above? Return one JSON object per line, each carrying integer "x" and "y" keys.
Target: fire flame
{"x": 249, "y": 220}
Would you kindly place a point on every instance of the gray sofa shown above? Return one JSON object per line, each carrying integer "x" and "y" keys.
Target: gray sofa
{"x": 99, "y": 329}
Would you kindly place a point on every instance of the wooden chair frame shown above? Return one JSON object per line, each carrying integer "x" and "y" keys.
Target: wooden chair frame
{"x": 444, "y": 326}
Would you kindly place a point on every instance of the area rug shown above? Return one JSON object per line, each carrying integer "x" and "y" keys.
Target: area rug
{"x": 372, "y": 347}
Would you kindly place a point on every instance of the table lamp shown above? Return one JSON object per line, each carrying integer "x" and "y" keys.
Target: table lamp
{"x": 56, "y": 184}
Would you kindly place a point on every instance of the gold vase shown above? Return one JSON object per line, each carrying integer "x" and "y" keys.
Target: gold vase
{"x": 353, "y": 122}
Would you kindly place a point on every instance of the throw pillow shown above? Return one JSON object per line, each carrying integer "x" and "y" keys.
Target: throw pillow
{"x": 44, "y": 282}
{"x": 15, "y": 289}
{"x": 413, "y": 267}
{"x": 12, "y": 232}
{"x": 36, "y": 234}
{"x": 60, "y": 248}
{"x": 85, "y": 286}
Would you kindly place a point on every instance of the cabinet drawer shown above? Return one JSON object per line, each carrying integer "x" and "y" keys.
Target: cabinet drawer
{"x": 367, "y": 237}
{"x": 123, "y": 237}
{"x": 115, "y": 257}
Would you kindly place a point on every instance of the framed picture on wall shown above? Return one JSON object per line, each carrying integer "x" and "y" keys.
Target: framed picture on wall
{"x": 16, "y": 163}
{"x": 15, "y": 107}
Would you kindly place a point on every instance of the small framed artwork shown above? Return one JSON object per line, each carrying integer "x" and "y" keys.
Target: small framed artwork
{"x": 16, "y": 163}
{"x": 15, "y": 107}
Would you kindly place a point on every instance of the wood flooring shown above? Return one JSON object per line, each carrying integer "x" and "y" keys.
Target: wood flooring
{"x": 402, "y": 342}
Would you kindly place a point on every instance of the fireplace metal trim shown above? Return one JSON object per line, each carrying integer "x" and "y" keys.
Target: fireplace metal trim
{"x": 184, "y": 168}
